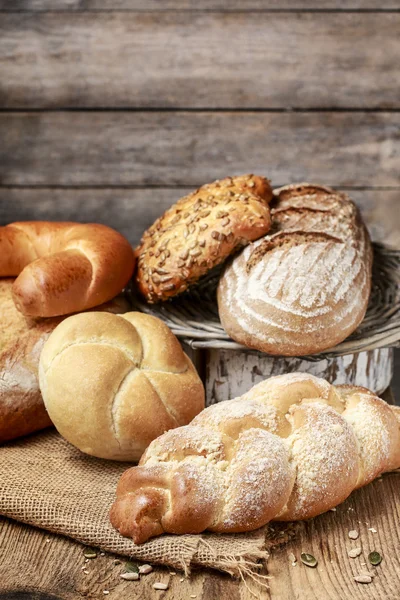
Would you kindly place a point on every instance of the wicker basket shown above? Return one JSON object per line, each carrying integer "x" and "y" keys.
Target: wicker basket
{"x": 364, "y": 358}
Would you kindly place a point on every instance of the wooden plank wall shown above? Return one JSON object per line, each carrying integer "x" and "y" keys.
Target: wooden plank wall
{"x": 110, "y": 110}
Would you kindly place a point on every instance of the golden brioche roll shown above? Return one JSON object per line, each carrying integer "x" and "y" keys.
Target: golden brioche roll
{"x": 113, "y": 383}
{"x": 63, "y": 268}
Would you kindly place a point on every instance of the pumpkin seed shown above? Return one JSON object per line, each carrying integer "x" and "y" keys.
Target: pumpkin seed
{"x": 375, "y": 558}
{"x": 131, "y": 567}
{"x": 89, "y": 553}
{"x": 308, "y": 559}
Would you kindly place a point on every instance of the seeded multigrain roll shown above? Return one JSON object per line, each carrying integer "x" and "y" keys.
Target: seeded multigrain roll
{"x": 200, "y": 231}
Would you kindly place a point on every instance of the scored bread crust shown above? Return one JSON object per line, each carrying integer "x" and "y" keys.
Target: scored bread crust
{"x": 305, "y": 286}
{"x": 291, "y": 448}
{"x": 21, "y": 341}
{"x": 199, "y": 232}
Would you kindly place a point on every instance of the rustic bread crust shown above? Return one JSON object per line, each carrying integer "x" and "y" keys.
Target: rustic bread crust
{"x": 200, "y": 231}
{"x": 21, "y": 341}
{"x": 291, "y": 448}
{"x": 305, "y": 286}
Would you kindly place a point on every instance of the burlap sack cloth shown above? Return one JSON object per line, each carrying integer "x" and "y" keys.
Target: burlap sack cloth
{"x": 48, "y": 483}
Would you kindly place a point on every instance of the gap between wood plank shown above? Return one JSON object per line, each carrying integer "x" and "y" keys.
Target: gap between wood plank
{"x": 169, "y": 109}
{"x": 207, "y": 10}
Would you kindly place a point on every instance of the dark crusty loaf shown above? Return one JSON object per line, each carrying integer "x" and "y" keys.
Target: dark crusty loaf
{"x": 199, "y": 232}
{"x": 21, "y": 341}
{"x": 305, "y": 286}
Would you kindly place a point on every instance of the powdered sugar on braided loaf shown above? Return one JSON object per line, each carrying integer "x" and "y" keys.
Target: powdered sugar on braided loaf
{"x": 292, "y": 447}
{"x": 311, "y": 274}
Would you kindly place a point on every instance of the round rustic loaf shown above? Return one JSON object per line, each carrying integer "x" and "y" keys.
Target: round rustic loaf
{"x": 199, "y": 232}
{"x": 113, "y": 383}
{"x": 64, "y": 267}
{"x": 304, "y": 287}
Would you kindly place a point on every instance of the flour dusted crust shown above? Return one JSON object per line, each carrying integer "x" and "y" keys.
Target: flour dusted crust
{"x": 304, "y": 287}
{"x": 291, "y": 448}
{"x": 113, "y": 383}
{"x": 200, "y": 231}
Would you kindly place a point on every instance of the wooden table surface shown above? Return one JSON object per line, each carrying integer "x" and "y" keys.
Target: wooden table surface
{"x": 110, "y": 111}
{"x": 42, "y": 566}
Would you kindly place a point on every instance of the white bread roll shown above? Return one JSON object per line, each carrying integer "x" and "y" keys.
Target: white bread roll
{"x": 304, "y": 287}
{"x": 113, "y": 383}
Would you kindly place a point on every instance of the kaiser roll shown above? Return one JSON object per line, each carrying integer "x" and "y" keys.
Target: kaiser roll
{"x": 113, "y": 383}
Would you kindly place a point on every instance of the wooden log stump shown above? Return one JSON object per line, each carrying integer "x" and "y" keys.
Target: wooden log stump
{"x": 231, "y": 373}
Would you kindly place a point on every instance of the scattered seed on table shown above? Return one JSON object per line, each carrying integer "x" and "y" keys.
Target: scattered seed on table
{"x": 106, "y": 592}
{"x": 160, "y": 586}
{"x": 372, "y": 529}
{"x": 172, "y": 573}
{"x": 363, "y": 579}
{"x": 354, "y": 552}
{"x": 292, "y": 557}
{"x": 308, "y": 559}
{"x": 89, "y": 553}
{"x": 375, "y": 558}
{"x": 130, "y": 576}
{"x": 193, "y": 596}
{"x": 353, "y": 534}
{"x": 368, "y": 574}
{"x": 145, "y": 569}
{"x": 102, "y": 553}
{"x": 131, "y": 567}
{"x": 332, "y": 509}
{"x": 181, "y": 579}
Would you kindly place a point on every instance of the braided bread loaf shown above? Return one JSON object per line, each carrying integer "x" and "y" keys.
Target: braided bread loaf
{"x": 291, "y": 448}
{"x": 63, "y": 268}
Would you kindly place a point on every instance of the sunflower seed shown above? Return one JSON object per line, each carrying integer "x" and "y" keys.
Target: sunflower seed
{"x": 145, "y": 569}
{"x": 130, "y": 576}
{"x": 354, "y": 552}
{"x": 353, "y": 534}
{"x": 160, "y": 586}
{"x": 90, "y": 553}
{"x": 363, "y": 579}
{"x": 131, "y": 567}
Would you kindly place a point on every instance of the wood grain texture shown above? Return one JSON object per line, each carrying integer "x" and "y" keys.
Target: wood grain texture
{"x": 47, "y": 566}
{"x": 185, "y": 148}
{"x": 231, "y": 373}
{"x": 223, "y": 5}
{"x": 200, "y": 60}
{"x": 131, "y": 211}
